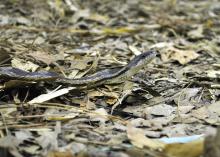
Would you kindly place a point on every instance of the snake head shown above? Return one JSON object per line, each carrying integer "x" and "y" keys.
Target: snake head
{"x": 144, "y": 58}
{"x": 139, "y": 62}
{"x": 148, "y": 55}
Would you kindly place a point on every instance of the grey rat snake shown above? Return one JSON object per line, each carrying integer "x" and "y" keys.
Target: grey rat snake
{"x": 108, "y": 76}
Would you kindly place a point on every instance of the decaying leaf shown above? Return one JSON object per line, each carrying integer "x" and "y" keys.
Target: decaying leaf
{"x": 138, "y": 138}
{"x": 188, "y": 96}
{"x": 160, "y": 110}
{"x": 182, "y": 56}
{"x": 24, "y": 65}
{"x": 43, "y": 57}
{"x": 76, "y": 39}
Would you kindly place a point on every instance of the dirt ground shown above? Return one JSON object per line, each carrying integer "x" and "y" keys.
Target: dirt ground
{"x": 176, "y": 96}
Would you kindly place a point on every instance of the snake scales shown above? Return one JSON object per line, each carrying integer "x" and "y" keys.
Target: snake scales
{"x": 108, "y": 76}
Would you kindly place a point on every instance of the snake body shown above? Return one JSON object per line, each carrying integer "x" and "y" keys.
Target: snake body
{"x": 107, "y": 76}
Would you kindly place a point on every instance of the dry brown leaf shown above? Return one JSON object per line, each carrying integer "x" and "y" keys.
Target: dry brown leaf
{"x": 80, "y": 64}
{"x": 95, "y": 93}
{"x": 182, "y": 56}
{"x": 201, "y": 113}
{"x": 138, "y": 139}
{"x": 43, "y": 57}
{"x": 187, "y": 96}
{"x": 160, "y": 110}
{"x": 24, "y": 65}
{"x": 196, "y": 33}
{"x": 111, "y": 97}
{"x": 185, "y": 109}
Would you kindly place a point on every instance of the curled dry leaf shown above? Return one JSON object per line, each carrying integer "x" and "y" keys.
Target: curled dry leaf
{"x": 182, "y": 56}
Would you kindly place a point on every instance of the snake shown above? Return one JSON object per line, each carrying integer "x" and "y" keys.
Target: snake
{"x": 107, "y": 76}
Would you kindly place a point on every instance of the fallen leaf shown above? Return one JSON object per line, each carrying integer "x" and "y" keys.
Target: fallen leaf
{"x": 175, "y": 130}
{"x": 138, "y": 139}
{"x": 201, "y": 113}
{"x": 182, "y": 56}
{"x": 196, "y": 33}
{"x": 24, "y": 65}
{"x": 23, "y": 21}
{"x": 215, "y": 107}
{"x": 213, "y": 73}
{"x": 50, "y": 95}
{"x": 161, "y": 110}
{"x": 43, "y": 57}
{"x": 188, "y": 96}
{"x": 100, "y": 115}
{"x": 185, "y": 109}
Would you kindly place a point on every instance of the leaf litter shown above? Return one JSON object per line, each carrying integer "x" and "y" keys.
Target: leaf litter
{"x": 175, "y": 96}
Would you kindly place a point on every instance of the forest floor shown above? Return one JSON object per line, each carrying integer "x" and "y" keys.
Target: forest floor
{"x": 175, "y": 97}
